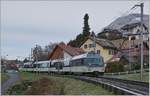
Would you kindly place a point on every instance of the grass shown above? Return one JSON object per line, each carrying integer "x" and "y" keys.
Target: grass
{"x": 77, "y": 87}
{"x": 29, "y": 76}
{"x": 70, "y": 86}
{"x": 4, "y": 77}
{"x": 135, "y": 76}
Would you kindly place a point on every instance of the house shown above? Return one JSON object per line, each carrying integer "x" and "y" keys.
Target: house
{"x": 9, "y": 64}
{"x": 134, "y": 45}
{"x": 135, "y": 28}
{"x": 132, "y": 55}
{"x": 126, "y": 44}
{"x": 62, "y": 51}
{"x": 103, "y": 47}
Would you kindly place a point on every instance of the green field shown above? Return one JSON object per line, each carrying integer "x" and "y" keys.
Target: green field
{"x": 70, "y": 86}
{"x": 4, "y": 77}
{"x": 135, "y": 76}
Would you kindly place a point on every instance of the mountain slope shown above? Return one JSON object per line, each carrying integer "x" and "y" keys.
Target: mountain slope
{"x": 129, "y": 19}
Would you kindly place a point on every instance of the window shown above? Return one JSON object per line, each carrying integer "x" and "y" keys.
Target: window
{"x": 112, "y": 52}
{"x": 90, "y": 45}
{"x": 93, "y": 62}
{"x": 93, "y": 45}
{"x": 44, "y": 65}
{"x": 109, "y": 52}
{"x": 58, "y": 65}
{"x": 85, "y": 46}
{"x": 78, "y": 62}
{"x": 98, "y": 51}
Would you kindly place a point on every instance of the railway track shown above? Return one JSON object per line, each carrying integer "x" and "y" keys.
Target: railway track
{"x": 118, "y": 86}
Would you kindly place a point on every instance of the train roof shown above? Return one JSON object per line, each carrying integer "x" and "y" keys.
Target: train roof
{"x": 86, "y": 55}
{"x": 27, "y": 63}
{"x": 42, "y": 62}
{"x": 57, "y": 60}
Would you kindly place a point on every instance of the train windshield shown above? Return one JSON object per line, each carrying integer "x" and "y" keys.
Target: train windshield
{"x": 93, "y": 61}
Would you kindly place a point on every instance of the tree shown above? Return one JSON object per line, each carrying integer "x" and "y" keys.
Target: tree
{"x": 37, "y": 53}
{"x": 82, "y": 36}
{"x": 25, "y": 60}
{"x": 41, "y": 54}
{"x": 86, "y": 28}
{"x": 49, "y": 48}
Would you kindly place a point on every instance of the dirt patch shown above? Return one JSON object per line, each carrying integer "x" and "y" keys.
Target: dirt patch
{"x": 45, "y": 86}
{"x": 19, "y": 88}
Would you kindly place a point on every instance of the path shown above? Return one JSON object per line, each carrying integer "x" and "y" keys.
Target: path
{"x": 13, "y": 78}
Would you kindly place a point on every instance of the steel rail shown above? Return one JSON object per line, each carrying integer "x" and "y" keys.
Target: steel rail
{"x": 118, "y": 86}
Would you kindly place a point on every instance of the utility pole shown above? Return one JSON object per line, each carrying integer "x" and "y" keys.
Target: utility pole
{"x": 141, "y": 5}
{"x": 129, "y": 53}
{"x": 141, "y": 37}
{"x": 36, "y": 60}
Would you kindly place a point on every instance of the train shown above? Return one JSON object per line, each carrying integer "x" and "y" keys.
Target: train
{"x": 86, "y": 63}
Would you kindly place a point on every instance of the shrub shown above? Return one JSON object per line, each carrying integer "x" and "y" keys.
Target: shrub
{"x": 19, "y": 88}
{"x": 114, "y": 67}
{"x": 136, "y": 66}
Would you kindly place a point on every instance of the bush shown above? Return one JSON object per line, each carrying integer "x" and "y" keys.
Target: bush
{"x": 114, "y": 67}
{"x": 45, "y": 86}
{"x": 19, "y": 88}
{"x": 136, "y": 66}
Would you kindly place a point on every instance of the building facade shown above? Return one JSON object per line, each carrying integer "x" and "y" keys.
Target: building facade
{"x": 102, "y": 46}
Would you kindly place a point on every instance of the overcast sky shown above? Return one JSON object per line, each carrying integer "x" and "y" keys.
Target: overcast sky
{"x": 26, "y": 23}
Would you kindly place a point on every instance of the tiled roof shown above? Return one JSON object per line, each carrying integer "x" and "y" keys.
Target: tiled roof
{"x": 133, "y": 25}
{"x": 105, "y": 43}
{"x": 102, "y": 42}
{"x": 71, "y": 50}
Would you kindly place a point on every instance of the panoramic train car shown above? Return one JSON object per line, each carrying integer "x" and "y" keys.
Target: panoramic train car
{"x": 41, "y": 66}
{"x": 87, "y": 63}
{"x": 56, "y": 65}
{"x": 26, "y": 66}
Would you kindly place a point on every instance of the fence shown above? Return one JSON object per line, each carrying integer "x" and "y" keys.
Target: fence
{"x": 127, "y": 72}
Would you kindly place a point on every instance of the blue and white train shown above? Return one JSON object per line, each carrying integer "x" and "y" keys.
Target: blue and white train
{"x": 85, "y": 63}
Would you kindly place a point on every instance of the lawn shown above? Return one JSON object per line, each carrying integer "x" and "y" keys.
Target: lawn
{"x": 135, "y": 76}
{"x": 70, "y": 86}
{"x": 4, "y": 77}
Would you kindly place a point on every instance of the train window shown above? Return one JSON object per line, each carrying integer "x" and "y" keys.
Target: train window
{"x": 70, "y": 63}
{"x": 34, "y": 65}
{"x": 78, "y": 62}
{"x": 43, "y": 65}
{"x": 59, "y": 65}
{"x": 38, "y": 65}
{"x": 93, "y": 61}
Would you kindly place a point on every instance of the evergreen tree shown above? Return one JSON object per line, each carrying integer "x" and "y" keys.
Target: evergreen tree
{"x": 25, "y": 60}
{"x": 81, "y": 37}
{"x": 86, "y": 28}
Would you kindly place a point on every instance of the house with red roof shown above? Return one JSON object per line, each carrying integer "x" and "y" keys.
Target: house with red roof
{"x": 63, "y": 51}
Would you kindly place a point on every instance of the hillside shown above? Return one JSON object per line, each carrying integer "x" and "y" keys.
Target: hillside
{"x": 114, "y": 30}
{"x": 129, "y": 19}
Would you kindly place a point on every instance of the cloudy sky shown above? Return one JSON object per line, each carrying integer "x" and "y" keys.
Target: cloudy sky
{"x": 26, "y": 23}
